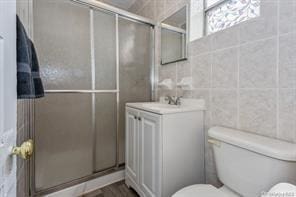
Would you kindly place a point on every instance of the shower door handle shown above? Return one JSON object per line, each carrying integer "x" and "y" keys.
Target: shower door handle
{"x": 25, "y": 151}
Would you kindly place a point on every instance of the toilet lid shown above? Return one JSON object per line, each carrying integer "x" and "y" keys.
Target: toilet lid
{"x": 200, "y": 191}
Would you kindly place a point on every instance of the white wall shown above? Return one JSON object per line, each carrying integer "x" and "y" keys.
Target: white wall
{"x": 7, "y": 97}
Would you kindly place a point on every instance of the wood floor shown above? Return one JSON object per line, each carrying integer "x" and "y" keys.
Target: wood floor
{"x": 115, "y": 190}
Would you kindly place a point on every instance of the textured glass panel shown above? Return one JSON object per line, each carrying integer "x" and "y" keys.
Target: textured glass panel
{"x": 62, "y": 38}
{"x": 105, "y": 50}
{"x": 231, "y": 13}
{"x": 63, "y": 139}
{"x": 134, "y": 71}
{"x": 106, "y": 118}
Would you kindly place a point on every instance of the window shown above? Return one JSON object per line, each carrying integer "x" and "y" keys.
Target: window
{"x": 221, "y": 14}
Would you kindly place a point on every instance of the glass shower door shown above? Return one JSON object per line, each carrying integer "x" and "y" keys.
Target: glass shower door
{"x": 63, "y": 121}
{"x": 135, "y": 69}
{"x": 76, "y": 123}
{"x": 92, "y": 63}
{"x": 105, "y": 65}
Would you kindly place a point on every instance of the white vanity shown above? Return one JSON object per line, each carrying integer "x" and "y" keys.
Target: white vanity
{"x": 164, "y": 146}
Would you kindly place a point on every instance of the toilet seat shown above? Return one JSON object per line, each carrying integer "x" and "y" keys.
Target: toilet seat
{"x": 200, "y": 190}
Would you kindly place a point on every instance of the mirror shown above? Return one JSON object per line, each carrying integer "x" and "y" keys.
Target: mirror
{"x": 174, "y": 37}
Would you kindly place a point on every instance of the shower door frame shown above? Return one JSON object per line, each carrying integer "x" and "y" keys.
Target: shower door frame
{"x": 118, "y": 13}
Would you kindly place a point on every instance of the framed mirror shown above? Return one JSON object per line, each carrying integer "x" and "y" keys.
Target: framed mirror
{"x": 174, "y": 37}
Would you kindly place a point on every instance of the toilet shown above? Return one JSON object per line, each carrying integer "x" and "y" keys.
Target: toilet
{"x": 247, "y": 164}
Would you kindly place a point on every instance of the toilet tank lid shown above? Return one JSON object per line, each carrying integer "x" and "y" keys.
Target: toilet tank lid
{"x": 274, "y": 148}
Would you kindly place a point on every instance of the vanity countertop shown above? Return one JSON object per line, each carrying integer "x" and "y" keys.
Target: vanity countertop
{"x": 187, "y": 105}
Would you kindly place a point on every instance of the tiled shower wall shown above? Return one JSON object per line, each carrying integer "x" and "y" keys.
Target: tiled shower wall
{"x": 246, "y": 74}
{"x": 24, "y": 110}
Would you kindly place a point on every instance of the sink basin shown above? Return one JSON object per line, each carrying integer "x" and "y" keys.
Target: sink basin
{"x": 164, "y": 108}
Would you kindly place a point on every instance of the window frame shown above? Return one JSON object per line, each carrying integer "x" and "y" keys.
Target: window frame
{"x": 206, "y": 9}
{"x": 214, "y": 5}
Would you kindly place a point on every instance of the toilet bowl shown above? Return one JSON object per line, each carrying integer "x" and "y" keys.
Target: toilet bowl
{"x": 281, "y": 189}
{"x": 205, "y": 191}
{"x": 259, "y": 161}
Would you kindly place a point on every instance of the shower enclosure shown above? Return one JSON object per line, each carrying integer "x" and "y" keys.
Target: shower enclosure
{"x": 93, "y": 60}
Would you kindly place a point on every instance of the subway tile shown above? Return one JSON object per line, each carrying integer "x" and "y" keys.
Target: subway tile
{"x": 287, "y": 16}
{"x": 224, "y": 108}
{"x": 258, "y": 64}
{"x": 201, "y": 71}
{"x": 287, "y": 61}
{"x": 287, "y": 115}
{"x": 263, "y": 26}
{"x": 258, "y": 111}
{"x": 225, "y": 68}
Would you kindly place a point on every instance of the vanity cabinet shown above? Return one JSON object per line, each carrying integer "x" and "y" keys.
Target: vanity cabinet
{"x": 143, "y": 155}
{"x": 164, "y": 152}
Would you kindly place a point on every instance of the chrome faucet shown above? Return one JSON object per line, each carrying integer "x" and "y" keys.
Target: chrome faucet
{"x": 173, "y": 100}
{"x": 178, "y": 100}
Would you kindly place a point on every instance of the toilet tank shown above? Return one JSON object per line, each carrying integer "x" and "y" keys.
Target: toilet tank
{"x": 250, "y": 164}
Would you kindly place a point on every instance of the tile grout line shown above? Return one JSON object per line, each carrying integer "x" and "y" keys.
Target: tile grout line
{"x": 211, "y": 84}
{"x": 233, "y": 46}
{"x": 176, "y": 75}
{"x": 277, "y": 71}
{"x": 191, "y": 72}
{"x": 238, "y": 81}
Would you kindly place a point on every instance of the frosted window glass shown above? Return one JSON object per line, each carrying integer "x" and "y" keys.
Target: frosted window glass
{"x": 62, "y": 39}
{"x": 105, "y": 50}
{"x": 231, "y": 13}
{"x": 106, "y": 118}
{"x": 63, "y": 139}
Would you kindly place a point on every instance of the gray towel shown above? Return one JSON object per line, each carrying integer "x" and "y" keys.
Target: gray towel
{"x": 29, "y": 83}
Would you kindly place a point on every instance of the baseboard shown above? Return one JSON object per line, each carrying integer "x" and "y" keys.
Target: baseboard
{"x": 89, "y": 186}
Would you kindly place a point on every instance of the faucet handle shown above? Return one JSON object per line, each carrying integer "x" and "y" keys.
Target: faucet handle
{"x": 178, "y": 100}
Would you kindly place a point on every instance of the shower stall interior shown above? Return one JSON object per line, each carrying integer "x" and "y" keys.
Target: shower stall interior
{"x": 92, "y": 62}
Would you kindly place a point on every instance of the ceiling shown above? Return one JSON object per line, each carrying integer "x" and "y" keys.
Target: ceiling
{"x": 178, "y": 19}
{"x": 123, "y": 4}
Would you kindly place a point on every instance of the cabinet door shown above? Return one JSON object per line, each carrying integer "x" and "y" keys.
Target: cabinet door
{"x": 132, "y": 159}
{"x": 149, "y": 146}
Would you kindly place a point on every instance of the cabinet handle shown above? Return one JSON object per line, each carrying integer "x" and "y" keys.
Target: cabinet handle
{"x": 140, "y": 119}
{"x": 135, "y": 117}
